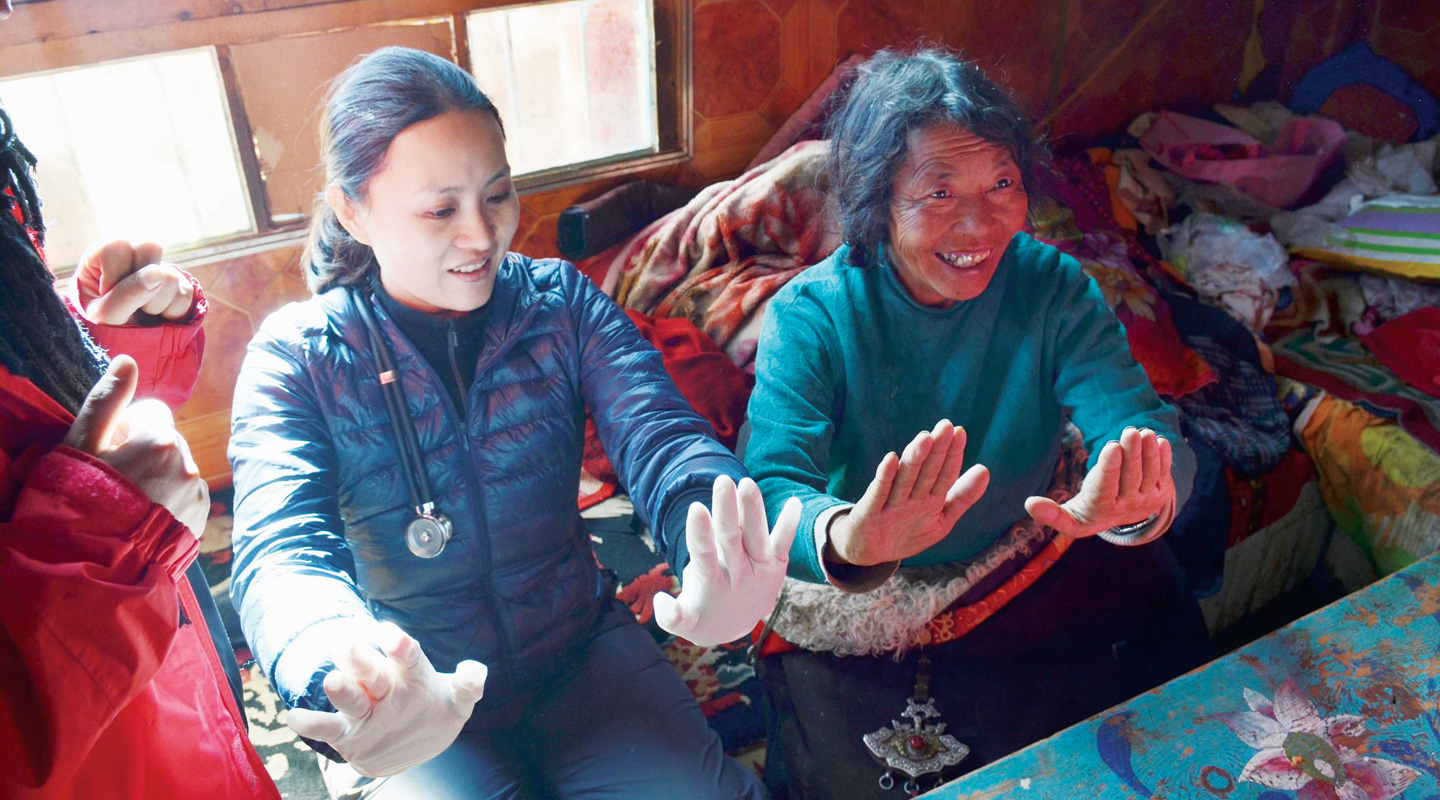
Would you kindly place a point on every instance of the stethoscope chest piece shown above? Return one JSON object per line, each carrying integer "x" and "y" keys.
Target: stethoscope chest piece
{"x": 427, "y": 534}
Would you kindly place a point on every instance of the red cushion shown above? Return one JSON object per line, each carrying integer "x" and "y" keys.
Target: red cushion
{"x": 1364, "y": 109}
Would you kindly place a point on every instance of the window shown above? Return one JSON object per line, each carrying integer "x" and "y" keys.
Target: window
{"x": 140, "y": 149}
{"x": 211, "y": 145}
{"x": 574, "y": 80}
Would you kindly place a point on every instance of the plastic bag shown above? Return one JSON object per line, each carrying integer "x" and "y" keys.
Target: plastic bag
{"x": 1229, "y": 266}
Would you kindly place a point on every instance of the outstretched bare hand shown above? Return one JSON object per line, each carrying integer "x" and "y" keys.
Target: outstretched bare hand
{"x": 1130, "y": 483}
{"x": 913, "y": 502}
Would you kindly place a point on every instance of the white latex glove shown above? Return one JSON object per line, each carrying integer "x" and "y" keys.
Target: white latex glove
{"x": 394, "y": 711}
{"x": 736, "y": 566}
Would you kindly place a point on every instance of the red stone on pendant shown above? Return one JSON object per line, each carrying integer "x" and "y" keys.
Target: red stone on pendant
{"x": 917, "y": 743}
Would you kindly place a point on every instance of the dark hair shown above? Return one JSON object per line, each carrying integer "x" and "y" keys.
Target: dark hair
{"x": 39, "y": 340}
{"x": 367, "y": 106}
{"x": 894, "y": 93}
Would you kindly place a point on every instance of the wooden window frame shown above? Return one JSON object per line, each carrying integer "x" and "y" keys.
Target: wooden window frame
{"x": 45, "y": 35}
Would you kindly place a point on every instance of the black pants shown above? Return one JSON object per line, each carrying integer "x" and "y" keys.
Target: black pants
{"x": 1103, "y": 625}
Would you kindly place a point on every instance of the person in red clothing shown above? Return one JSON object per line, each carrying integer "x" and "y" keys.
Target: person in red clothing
{"x": 111, "y": 683}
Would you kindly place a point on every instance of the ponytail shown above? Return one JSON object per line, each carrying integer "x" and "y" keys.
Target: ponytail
{"x": 332, "y": 256}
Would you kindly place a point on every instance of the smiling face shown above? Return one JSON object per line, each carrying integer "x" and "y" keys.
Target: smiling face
{"x": 439, "y": 213}
{"x": 958, "y": 200}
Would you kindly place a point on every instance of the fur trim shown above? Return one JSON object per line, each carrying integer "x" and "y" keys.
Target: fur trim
{"x": 821, "y": 617}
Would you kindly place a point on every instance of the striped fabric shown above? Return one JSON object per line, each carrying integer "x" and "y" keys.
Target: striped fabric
{"x": 1397, "y": 235}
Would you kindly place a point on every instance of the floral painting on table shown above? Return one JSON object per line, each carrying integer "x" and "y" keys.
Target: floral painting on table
{"x": 1343, "y": 704}
{"x": 1317, "y": 757}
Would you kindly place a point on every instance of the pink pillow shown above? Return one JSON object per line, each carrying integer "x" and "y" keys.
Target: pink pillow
{"x": 1278, "y": 175}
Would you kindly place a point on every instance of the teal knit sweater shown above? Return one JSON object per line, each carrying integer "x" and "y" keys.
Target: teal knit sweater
{"x": 850, "y": 367}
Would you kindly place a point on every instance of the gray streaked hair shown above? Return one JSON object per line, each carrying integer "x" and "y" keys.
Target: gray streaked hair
{"x": 893, "y": 94}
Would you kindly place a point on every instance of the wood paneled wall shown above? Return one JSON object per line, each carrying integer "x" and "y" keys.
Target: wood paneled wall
{"x": 1083, "y": 68}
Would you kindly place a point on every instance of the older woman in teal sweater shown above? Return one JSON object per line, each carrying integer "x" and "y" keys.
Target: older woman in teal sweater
{"x": 939, "y": 316}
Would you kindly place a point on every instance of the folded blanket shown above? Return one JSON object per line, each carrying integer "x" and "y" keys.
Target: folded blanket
{"x": 1381, "y": 484}
{"x": 718, "y": 260}
{"x": 1410, "y": 345}
{"x": 1240, "y": 415}
{"x": 1343, "y": 367}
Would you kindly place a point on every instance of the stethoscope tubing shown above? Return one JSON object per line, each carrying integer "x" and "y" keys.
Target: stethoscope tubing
{"x": 411, "y": 459}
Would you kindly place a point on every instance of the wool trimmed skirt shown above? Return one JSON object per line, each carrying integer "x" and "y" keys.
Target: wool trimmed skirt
{"x": 1102, "y": 625}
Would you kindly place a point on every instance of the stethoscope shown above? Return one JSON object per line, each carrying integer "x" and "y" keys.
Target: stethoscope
{"x": 428, "y": 530}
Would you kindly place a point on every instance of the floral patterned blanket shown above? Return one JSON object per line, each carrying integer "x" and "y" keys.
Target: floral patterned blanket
{"x": 721, "y": 257}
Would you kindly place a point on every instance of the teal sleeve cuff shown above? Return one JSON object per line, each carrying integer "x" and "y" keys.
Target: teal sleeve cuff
{"x": 1182, "y": 468}
{"x": 804, "y": 557}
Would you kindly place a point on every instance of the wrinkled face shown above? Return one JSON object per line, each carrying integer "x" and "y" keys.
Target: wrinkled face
{"x": 958, "y": 200}
{"x": 439, "y": 213}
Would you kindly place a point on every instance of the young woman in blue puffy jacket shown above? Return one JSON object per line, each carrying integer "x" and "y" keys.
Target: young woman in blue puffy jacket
{"x": 410, "y": 567}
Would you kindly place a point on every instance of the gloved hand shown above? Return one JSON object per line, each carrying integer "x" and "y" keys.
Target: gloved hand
{"x": 1130, "y": 483}
{"x": 736, "y": 568}
{"x": 394, "y": 711}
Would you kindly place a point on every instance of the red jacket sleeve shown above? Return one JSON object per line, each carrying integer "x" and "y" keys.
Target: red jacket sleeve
{"x": 168, "y": 354}
{"x": 89, "y": 606}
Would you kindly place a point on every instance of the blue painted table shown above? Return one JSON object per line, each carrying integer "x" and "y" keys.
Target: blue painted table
{"x": 1342, "y": 704}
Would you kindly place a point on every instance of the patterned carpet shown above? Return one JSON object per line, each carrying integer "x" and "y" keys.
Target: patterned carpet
{"x": 720, "y": 677}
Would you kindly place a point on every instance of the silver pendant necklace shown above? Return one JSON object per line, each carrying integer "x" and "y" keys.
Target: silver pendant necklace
{"x": 917, "y": 747}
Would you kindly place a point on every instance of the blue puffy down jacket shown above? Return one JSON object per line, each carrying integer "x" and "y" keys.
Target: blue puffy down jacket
{"x": 321, "y": 501}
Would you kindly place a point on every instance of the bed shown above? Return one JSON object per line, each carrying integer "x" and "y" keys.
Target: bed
{"x": 1295, "y": 479}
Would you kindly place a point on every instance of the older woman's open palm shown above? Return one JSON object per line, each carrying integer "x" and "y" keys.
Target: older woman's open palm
{"x": 913, "y": 502}
{"x": 1130, "y": 483}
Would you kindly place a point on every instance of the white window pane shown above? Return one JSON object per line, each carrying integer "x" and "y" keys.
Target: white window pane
{"x": 574, "y": 80}
{"x": 138, "y": 149}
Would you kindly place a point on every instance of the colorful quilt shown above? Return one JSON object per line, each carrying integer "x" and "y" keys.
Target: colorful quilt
{"x": 1343, "y": 367}
{"x": 1380, "y": 484}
